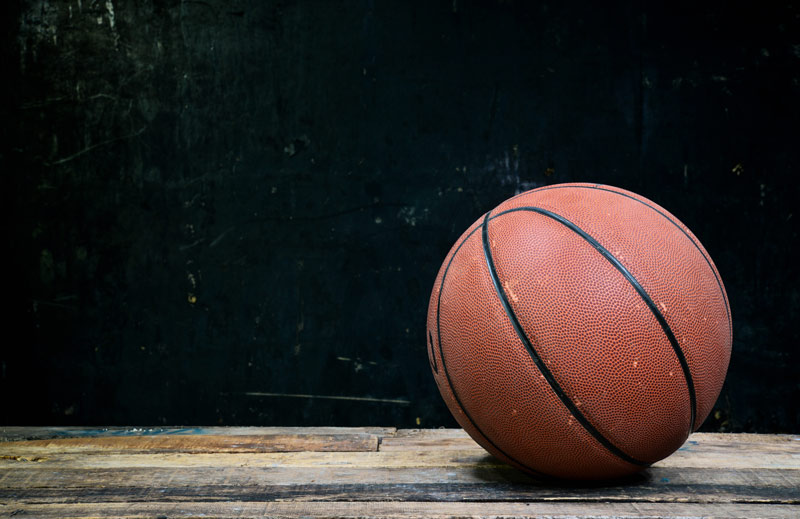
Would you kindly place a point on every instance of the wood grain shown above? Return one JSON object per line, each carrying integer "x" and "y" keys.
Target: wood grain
{"x": 211, "y": 443}
{"x": 253, "y": 472}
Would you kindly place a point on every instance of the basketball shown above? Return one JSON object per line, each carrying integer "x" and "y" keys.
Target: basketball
{"x": 579, "y": 331}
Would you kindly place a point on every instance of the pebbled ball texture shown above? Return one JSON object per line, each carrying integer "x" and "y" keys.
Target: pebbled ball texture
{"x": 579, "y": 331}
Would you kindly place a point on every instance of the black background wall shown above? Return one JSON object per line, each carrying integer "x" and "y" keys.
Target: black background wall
{"x": 217, "y": 207}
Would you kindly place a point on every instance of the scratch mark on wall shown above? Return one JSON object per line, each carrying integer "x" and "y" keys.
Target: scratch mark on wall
{"x": 190, "y": 245}
{"x": 221, "y": 236}
{"x": 112, "y": 22}
{"x": 94, "y": 147}
{"x": 398, "y": 401}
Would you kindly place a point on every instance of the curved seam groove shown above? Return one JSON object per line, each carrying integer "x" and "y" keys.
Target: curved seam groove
{"x": 600, "y": 187}
{"x": 545, "y": 371}
{"x": 434, "y": 366}
{"x": 447, "y": 373}
{"x": 639, "y": 289}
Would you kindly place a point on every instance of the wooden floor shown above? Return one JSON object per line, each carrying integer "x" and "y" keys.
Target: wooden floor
{"x": 367, "y": 472}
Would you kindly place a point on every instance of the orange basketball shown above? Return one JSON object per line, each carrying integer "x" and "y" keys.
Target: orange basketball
{"x": 579, "y": 331}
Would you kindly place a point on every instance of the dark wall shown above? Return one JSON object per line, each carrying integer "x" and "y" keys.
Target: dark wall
{"x": 217, "y": 206}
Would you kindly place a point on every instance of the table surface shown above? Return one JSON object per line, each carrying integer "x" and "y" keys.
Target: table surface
{"x": 367, "y": 472}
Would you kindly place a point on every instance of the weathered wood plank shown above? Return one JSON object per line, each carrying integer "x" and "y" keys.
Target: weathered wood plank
{"x": 700, "y": 450}
{"x": 695, "y": 452}
{"x": 129, "y": 473}
{"x": 408, "y": 510}
{"x": 51, "y": 457}
{"x": 711, "y": 491}
{"x": 45, "y": 458}
{"x": 458, "y": 439}
{"x": 651, "y": 483}
{"x": 738, "y": 451}
{"x": 211, "y": 443}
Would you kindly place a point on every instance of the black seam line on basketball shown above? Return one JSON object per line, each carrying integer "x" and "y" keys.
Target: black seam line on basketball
{"x": 601, "y": 187}
{"x": 433, "y": 353}
{"x": 687, "y": 375}
{"x": 537, "y": 360}
{"x": 447, "y": 373}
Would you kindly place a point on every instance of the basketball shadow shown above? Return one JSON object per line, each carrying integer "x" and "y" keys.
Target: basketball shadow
{"x": 498, "y": 474}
